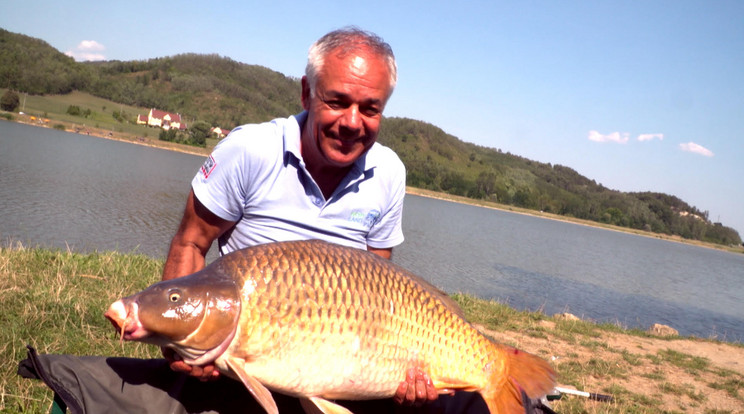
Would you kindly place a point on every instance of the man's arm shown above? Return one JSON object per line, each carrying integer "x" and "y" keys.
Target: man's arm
{"x": 384, "y": 253}
{"x": 199, "y": 228}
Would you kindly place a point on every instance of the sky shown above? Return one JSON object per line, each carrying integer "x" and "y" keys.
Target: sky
{"x": 636, "y": 95}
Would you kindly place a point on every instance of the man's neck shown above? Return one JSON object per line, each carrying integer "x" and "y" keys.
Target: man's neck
{"x": 328, "y": 178}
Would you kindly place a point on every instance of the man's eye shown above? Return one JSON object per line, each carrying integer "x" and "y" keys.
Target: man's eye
{"x": 336, "y": 104}
{"x": 370, "y": 111}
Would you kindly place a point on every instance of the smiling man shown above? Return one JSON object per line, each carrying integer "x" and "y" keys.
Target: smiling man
{"x": 344, "y": 103}
{"x": 316, "y": 175}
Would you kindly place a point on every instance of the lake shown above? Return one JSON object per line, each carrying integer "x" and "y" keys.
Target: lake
{"x": 71, "y": 191}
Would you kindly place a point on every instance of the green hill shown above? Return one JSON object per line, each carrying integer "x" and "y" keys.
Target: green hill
{"x": 218, "y": 91}
{"x": 208, "y": 88}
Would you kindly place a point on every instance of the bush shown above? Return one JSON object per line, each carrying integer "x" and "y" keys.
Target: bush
{"x": 73, "y": 110}
{"x": 10, "y": 101}
{"x": 168, "y": 135}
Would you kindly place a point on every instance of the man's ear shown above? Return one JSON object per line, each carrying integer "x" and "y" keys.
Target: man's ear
{"x": 305, "y": 93}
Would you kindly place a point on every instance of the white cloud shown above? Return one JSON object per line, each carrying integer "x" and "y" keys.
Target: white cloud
{"x": 618, "y": 137}
{"x": 649, "y": 137}
{"x": 91, "y": 45}
{"x": 696, "y": 149}
{"x": 87, "y": 50}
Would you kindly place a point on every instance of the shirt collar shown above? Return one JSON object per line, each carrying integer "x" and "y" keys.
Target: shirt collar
{"x": 292, "y": 134}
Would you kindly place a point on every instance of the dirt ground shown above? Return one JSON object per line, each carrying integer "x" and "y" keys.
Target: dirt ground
{"x": 637, "y": 365}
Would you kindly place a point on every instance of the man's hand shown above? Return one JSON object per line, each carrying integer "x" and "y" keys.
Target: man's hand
{"x": 204, "y": 373}
{"x": 416, "y": 390}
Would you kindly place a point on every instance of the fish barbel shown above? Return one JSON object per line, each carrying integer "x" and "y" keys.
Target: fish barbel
{"x": 321, "y": 321}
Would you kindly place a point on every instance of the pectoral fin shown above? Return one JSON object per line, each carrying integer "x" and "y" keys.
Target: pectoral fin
{"x": 446, "y": 385}
{"x": 317, "y": 405}
{"x": 260, "y": 393}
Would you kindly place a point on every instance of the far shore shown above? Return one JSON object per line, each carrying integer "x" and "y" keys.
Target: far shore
{"x": 551, "y": 216}
{"x": 149, "y": 142}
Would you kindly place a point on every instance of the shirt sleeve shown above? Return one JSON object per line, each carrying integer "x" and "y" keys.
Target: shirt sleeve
{"x": 219, "y": 184}
{"x": 388, "y": 231}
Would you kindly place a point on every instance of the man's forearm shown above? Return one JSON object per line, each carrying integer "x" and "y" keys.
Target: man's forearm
{"x": 182, "y": 260}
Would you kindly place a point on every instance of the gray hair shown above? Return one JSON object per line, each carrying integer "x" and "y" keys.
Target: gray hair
{"x": 348, "y": 40}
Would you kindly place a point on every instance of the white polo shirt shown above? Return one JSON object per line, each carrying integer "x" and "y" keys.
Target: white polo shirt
{"x": 257, "y": 178}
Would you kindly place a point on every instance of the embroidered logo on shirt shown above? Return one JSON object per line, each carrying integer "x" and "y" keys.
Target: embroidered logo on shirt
{"x": 208, "y": 166}
{"x": 372, "y": 218}
{"x": 367, "y": 220}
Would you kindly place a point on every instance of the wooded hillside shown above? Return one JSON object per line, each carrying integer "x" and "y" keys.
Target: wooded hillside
{"x": 222, "y": 92}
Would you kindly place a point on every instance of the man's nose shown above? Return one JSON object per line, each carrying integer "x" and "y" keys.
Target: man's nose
{"x": 352, "y": 119}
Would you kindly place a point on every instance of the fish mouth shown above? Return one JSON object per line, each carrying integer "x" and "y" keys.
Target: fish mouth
{"x": 125, "y": 321}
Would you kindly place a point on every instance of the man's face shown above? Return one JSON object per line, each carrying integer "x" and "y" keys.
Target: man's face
{"x": 345, "y": 112}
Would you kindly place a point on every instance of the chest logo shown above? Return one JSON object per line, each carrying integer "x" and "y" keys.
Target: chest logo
{"x": 367, "y": 220}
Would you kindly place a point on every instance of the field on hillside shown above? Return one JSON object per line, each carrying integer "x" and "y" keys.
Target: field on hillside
{"x": 51, "y": 111}
{"x": 54, "y": 108}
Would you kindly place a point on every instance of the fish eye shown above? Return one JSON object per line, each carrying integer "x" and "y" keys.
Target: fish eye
{"x": 174, "y": 296}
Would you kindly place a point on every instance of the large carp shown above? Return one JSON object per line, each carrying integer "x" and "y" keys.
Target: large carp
{"x": 321, "y": 321}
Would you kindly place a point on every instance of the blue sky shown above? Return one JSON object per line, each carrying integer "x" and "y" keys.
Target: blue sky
{"x": 637, "y": 95}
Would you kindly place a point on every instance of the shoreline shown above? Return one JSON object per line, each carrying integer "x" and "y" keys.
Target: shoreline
{"x": 138, "y": 140}
{"x": 556, "y": 217}
{"x": 113, "y": 136}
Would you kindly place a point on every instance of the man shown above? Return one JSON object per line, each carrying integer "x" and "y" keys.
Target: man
{"x": 316, "y": 175}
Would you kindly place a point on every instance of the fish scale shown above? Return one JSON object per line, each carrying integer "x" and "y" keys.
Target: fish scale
{"x": 322, "y": 321}
{"x": 401, "y": 334}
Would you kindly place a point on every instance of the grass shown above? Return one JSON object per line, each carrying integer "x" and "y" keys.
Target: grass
{"x": 733, "y": 386}
{"x": 682, "y": 389}
{"x": 54, "y": 301}
{"x": 101, "y": 112}
{"x": 689, "y": 363}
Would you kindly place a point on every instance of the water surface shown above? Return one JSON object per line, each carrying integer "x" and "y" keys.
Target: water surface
{"x": 71, "y": 191}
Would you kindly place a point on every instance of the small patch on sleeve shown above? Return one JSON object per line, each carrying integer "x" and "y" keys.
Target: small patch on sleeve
{"x": 209, "y": 166}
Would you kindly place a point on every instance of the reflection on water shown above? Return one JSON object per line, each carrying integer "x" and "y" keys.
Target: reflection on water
{"x": 66, "y": 190}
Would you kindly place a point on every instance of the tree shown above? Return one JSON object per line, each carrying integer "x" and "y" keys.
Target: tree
{"x": 10, "y": 101}
{"x": 198, "y": 133}
{"x": 486, "y": 183}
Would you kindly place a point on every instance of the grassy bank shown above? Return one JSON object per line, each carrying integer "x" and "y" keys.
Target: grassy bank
{"x": 54, "y": 301}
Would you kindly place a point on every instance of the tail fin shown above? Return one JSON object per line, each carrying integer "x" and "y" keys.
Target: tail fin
{"x": 520, "y": 371}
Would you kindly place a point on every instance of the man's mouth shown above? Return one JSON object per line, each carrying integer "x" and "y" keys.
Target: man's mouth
{"x": 349, "y": 141}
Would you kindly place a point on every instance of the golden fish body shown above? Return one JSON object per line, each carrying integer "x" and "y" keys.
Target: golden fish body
{"x": 322, "y": 321}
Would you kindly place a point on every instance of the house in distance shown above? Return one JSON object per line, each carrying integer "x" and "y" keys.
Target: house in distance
{"x": 161, "y": 119}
